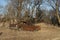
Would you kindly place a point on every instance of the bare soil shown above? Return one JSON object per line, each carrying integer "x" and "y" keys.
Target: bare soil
{"x": 47, "y": 32}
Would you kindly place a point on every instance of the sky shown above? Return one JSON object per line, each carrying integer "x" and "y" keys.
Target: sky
{"x": 3, "y": 3}
{"x": 44, "y": 5}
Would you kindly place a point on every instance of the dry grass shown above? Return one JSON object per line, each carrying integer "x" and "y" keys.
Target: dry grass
{"x": 47, "y": 32}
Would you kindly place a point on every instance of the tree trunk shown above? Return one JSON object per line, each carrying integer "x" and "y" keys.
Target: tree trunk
{"x": 57, "y": 14}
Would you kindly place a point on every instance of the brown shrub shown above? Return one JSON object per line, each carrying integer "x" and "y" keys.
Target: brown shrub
{"x": 25, "y": 27}
{"x": 30, "y": 27}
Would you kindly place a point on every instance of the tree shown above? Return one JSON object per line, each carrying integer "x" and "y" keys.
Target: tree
{"x": 57, "y": 11}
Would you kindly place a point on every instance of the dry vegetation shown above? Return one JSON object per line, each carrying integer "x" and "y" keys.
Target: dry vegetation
{"x": 47, "y": 32}
{"x": 19, "y": 18}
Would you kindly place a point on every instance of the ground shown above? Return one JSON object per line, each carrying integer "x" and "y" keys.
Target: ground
{"x": 47, "y": 32}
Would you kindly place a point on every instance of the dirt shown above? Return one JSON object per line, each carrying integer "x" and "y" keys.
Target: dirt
{"x": 47, "y": 32}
